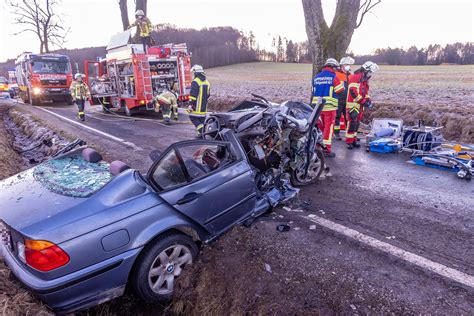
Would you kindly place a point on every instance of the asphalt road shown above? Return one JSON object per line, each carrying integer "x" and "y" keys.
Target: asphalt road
{"x": 426, "y": 212}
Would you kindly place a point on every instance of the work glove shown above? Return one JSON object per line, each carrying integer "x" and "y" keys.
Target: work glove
{"x": 369, "y": 104}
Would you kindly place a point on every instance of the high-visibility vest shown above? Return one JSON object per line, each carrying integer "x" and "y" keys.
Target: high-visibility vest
{"x": 144, "y": 26}
{"x": 79, "y": 90}
{"x": 325, "y": 86}
{"x": 358, "y": 92}
{"x": 202, "y": 95}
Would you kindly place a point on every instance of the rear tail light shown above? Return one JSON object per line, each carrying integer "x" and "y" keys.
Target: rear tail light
{"x": 42, "y": 255}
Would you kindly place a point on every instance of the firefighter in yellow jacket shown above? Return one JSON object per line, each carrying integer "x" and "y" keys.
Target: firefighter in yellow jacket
{"x": 167, "y": 102}
{"x": 199, "y": 95}
{"x": 80, "y": 93}
{"x": 145, "y": 27}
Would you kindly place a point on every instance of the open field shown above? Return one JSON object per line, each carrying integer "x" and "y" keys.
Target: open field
{"x": 436, "y": 94}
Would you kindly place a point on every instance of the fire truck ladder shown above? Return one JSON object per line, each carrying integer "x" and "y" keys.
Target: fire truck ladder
{"x": 147, "y": 88}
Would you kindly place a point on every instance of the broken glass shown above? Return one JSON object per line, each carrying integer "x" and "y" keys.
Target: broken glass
{"x": 73, "y": 176}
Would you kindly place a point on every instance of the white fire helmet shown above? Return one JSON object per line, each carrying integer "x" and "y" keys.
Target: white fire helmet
{"x": 139, "y": 13}
{"x": 331, "y": 62}
{"x": 78, "y": 75}
{"x": 347, "y": 61}
{"x": 370, "y": 66}
{"x": 197, "y": 69}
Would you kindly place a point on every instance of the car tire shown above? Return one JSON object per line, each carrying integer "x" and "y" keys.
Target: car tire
{"x": 160, "y": 264}
{"x": 317, "y": 169}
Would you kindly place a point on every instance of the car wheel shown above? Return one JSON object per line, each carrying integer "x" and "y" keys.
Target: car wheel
{"x": 315, "y": 169}
{"x": 158, "y": 267}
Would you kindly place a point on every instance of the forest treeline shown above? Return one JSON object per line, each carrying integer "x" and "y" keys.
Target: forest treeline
{"x": 457, "y": 53}
{"x": 220, "y": 46}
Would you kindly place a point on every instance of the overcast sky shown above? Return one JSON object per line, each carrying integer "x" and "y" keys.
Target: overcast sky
{"x": 394, "y": 23}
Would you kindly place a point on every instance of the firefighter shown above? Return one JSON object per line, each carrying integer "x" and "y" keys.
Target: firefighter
{"x": 200, "y": 92}
{"x": 79, "y": 93}
{"x": 167, "y": 102}
{"x": 145, "y": 27}
{"x": 357, "y": 99}
{"x": 343, "y": 74}
{"x": 327, "y": 86}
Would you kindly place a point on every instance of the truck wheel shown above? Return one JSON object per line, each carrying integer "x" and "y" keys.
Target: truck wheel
{"x": 69, "y": 101}
{"x": 160, "y": 264}
{"x": 128, "y": 112}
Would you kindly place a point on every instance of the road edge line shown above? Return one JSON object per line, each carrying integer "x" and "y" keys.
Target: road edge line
{"x": 438, "y": 268}
{"x": 112, "y": 137}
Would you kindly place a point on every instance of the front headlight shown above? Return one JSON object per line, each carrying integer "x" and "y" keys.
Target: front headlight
{"x": 36, "y": 90}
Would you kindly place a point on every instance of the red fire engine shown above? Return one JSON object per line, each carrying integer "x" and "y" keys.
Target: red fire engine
{"x": 128, "y": 78}
{"x": 44, "y": 77}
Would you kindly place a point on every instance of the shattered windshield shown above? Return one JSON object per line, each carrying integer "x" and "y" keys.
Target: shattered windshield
{"x": 50, "y": 67}
{"x": 73, "y": 176}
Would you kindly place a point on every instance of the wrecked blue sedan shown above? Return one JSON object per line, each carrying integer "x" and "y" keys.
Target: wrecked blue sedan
{"x": 76, "y": 230}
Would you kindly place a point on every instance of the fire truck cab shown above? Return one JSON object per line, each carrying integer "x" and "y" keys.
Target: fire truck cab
{"x": 45, "y": 77}
{"x": 127, "y": 79}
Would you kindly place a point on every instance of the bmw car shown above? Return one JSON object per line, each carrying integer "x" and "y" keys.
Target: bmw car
{"x": 77, "y": 230}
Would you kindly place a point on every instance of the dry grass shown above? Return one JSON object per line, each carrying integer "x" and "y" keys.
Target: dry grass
{"x": 437, "y": 94}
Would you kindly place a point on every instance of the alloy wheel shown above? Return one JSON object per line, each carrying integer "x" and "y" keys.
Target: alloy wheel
{"x": 166, "y": 267}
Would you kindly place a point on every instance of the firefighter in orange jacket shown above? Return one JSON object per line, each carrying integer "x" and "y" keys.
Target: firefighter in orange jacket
{"x": 357, "y": 99}
{"x": 343, "y": 73}
{"x": 327, "y": 86}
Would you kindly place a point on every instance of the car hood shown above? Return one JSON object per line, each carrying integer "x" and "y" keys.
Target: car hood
{"x": 37, "y": 212}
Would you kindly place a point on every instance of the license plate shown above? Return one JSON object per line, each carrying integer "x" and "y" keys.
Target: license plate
{"x": 6, "y": 236}
{"x": 55, "y": 89}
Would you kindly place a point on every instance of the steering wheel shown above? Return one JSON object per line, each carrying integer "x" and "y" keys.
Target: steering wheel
{"x": 211, "y": 128}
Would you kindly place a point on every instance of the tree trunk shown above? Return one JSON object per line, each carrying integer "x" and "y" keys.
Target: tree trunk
{"x": 124, "y": 14}
{"x": 329, "y": 42}
{"x": 140, "y": 5}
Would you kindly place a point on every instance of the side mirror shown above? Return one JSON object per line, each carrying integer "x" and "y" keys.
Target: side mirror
{"x": 155, "y": 155}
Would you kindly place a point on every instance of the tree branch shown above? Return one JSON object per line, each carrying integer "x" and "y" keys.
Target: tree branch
{"x": 365, "y": 8}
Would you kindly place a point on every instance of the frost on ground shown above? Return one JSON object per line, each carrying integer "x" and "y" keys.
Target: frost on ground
{"x": 435, "y": 94}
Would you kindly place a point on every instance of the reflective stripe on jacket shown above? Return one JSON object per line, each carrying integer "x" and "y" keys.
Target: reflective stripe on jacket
{"x": 326, "y": 85}
{"x": 144, "y": 26}
{"x": 200, "y": 92}
{"x": 344, "y": 78}
{"x": 79, "y": 90}
{"x": 358, "y": 92}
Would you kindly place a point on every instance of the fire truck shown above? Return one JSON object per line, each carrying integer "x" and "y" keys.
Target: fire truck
{"x": 45, "y": 77}
{"x": 127, "y": 78}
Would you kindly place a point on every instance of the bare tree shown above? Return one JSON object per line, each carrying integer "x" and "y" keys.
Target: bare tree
{"x": 40, "y": 18}
{"x": 140, "y": 5}
{"x": 124, "y": 14}
{"x": 333, "y": 41}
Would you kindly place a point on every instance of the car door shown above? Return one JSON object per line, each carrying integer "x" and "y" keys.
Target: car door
{"x": 208, "y": 181}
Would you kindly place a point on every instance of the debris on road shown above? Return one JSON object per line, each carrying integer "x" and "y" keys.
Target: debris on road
{"x": 283, "y": 228}
{"x": 268, "y": 268}
{"x": 312, "y": 227}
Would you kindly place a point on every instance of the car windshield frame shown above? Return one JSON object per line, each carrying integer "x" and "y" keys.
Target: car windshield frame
{"x": 43, "y": 66}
